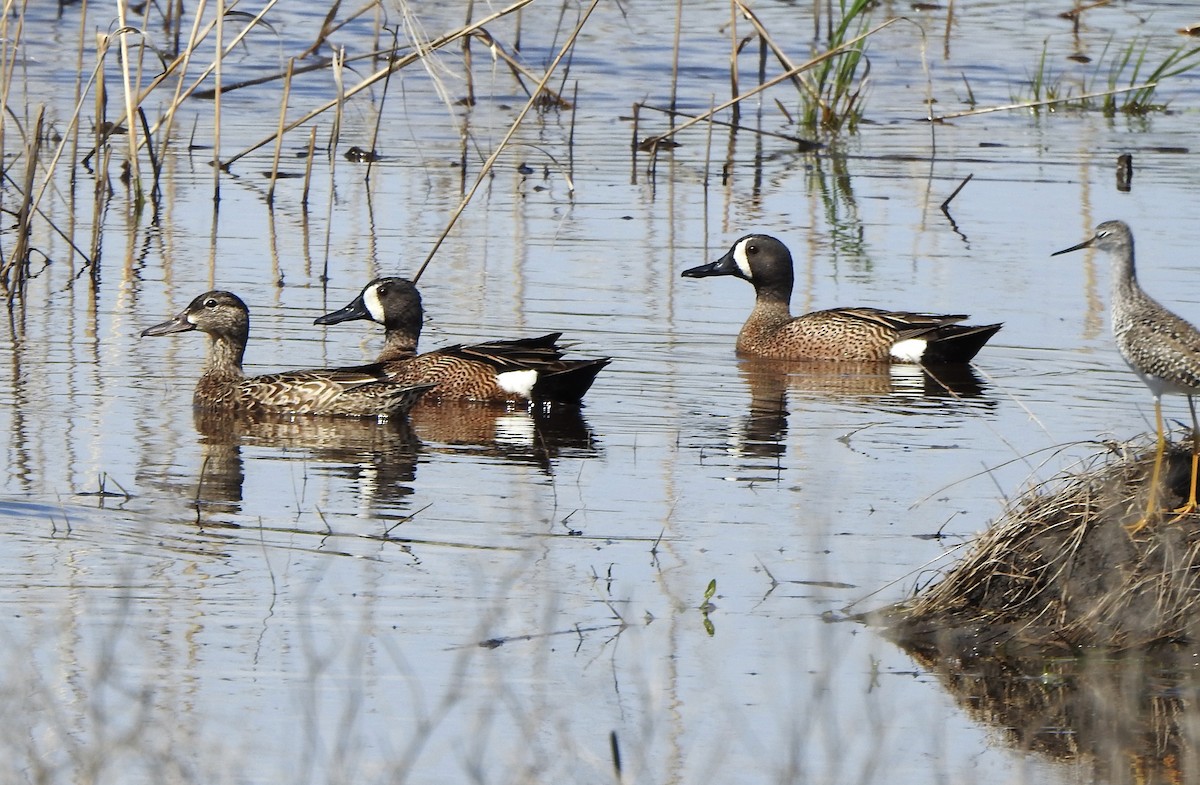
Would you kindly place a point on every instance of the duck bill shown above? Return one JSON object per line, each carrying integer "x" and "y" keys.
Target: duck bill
{"x": 355, "y": 310}
{"x": 723, "y": 266}
{"x": 179, "y": 324}
{"x": 1083, "y": 244}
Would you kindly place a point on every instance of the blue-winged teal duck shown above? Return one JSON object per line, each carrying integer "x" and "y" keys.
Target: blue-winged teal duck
{"x": 1162, "y": 349}
{"x": 854, "y": 334}
{"x": 517, "y": 371}
{"x": 363, "y": 391}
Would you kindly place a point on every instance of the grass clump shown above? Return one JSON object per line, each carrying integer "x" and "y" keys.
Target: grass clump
{"x": 833, "y": 90}
{"x": 1060, "y": 571}
{"x": 1128, "y": 68}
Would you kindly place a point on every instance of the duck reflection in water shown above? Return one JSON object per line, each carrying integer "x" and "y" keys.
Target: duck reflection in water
{"x": 378, "y": 458}
{"x": 900, "y": 389}
{"x": 537, "y": 435}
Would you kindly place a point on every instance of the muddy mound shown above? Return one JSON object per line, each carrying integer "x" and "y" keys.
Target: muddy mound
{"x": 1059, "y": 568}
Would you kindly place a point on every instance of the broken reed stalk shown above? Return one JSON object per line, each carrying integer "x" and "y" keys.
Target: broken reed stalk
{"x": 571, "y": 138}
{"x": 633, "y": 144}
{"x": 950, "y": 198}
{"x": 287, "y": 91}
{"x": 339, "y": 84}
{"x": 394, "y": 65}
{"x": 16, "y": 267}
{"x": 387, "y": 83}
{"x": 675, "y": 54}
{"x": 788, "y": 74}
{"x": 131, "y": 133}
{"x": 466, "y": 49}
{"x": 800, "y": 140}
{"x": 515, "y": 67}
{"x": 1047, "y": 102}
{"x": 217, "y": 74}
{"x": 733, "y": 60}
{"x": 308, "y": 164}
{"x": 11, "y": 43}
{"x": 777, "y": 50}
{"x": 567, "y": 46}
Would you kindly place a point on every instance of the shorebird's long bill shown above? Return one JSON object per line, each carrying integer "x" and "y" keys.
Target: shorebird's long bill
{"x": 1083, "y": 244}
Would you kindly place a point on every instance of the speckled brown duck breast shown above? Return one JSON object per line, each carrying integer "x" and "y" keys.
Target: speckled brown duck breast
{"x": 363, "y": 391}
{"x": 851, "y": 334}
{"x": 513, "y": 371}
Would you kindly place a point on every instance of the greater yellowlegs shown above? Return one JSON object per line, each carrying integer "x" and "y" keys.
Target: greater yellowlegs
{"x": 850, "y": 334}
{"x": 1161, "y": 348}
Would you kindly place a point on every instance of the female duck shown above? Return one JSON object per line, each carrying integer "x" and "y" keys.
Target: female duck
{"x": 851, "y": 334}
{"x": 516, "y": 371}
{"x": 365, "y": 391}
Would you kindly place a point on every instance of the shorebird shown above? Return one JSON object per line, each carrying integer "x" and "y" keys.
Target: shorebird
{"x": 1161, "y": 348}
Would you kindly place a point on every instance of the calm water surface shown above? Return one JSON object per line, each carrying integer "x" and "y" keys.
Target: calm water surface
{"x": 479, "y": 595}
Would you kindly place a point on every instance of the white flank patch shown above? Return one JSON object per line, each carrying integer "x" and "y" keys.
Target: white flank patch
{"x": 739, "y": 256}
{"x": 374, "y": 306}
{"x": 909, "y": 351}
{"x": 517, "y": 382}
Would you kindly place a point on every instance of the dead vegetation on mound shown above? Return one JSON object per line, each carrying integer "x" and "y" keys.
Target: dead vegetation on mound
{"x": 1059, "y": 569}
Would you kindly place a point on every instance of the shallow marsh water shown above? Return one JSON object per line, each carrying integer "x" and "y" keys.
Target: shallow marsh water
{"x": 492, "y": 596}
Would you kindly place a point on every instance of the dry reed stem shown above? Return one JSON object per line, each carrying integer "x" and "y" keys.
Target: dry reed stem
{"x": 17, "y": 262}
{"x": 777, "y": 50}
{"x": 1047, "y": 102}
{"x": 217, "y": 74}
{"x": 368, "y": 81}
{"x": 181, "y": 63}
{"x": 735, "y": 48}
{"x": 770, "y": 134}
{"x": 287, "y": 91}
{"x": 308, "y": 164}
{"x": 516, "y": 68}
{"x": 788, "y": 74}
{"x": 512, "y": 130}
{"x": 131, "y": 135}
{"x": 197, "y": 36}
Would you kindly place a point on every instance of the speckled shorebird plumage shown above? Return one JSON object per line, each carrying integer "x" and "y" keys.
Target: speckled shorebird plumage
{"x": 849, "y": 334}
{"x": 1160, "y": 347}
{"x": 514, "y": 371}
{"x": 363, "y": 391}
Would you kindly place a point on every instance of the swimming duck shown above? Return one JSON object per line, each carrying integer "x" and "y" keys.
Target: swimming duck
{"x": 364, "y": 391}
{"x": 513, "y": 371}
{"x": 853, "y": 334}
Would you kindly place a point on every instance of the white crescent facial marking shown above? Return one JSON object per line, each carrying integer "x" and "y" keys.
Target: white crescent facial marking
{"x": 374, "y": 306}
{"x": 739, "y": 256}
{"x": 517, "y": 382}
{"x": 909, "y": 351}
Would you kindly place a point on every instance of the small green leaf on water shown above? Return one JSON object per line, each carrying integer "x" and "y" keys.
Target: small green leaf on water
{"x": 711, "y": 590}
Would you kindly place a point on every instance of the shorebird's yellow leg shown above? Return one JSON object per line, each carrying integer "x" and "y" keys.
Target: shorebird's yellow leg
{"x": 1190, "y": 507}
{"x": 1134, "y": 528}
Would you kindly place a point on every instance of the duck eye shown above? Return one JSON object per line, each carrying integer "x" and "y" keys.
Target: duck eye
{"x": 210, "y": 303}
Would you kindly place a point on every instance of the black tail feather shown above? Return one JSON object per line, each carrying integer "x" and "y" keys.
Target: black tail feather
{"x": 569, "y": 383}
{"x": 956, "y": 343}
